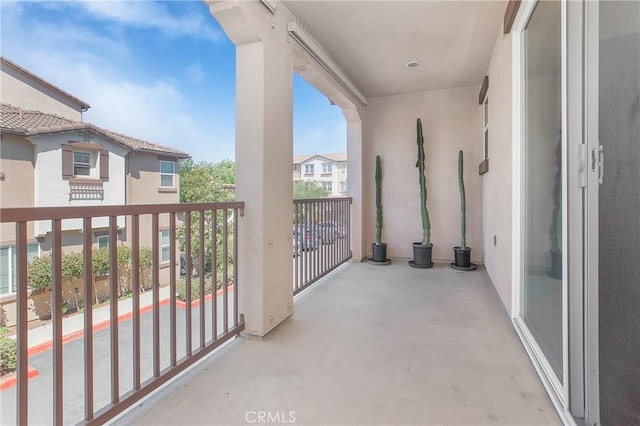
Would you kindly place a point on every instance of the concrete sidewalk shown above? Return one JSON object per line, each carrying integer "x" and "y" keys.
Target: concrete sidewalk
{"x": 42, "y": 336}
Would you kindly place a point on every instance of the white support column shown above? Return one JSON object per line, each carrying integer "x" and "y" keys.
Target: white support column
{"x": 355, "y": 187}
{"x": 264, "y": 149}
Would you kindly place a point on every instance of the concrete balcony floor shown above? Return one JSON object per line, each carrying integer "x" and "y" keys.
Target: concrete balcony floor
{"x": 369, "y": 345}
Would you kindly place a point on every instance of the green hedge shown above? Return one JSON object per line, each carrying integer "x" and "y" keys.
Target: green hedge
{"x": 8, "y": 353}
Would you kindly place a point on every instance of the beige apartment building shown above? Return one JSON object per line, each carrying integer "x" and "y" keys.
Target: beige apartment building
{"x": 49, "y": 157}
{"x": 330, "y": 170}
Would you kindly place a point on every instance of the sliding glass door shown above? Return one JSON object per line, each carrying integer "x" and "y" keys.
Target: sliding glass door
{"x": 542, "y": 303}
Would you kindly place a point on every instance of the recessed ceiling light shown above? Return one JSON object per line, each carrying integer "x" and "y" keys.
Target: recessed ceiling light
{"x": 413, "y": 64}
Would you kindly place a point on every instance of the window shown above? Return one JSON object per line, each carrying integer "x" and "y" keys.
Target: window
{"x": 165, "y": 246}
{"x": 328, "y": 186}
{"x": 8, "y": 271}
{"x": 103, "y": 241}
{"x": 167, "y": 174}
{"x": 342, "y": 166}
{"x": 308, "y": 169}
{"x": 343, "y": 187}
{"x": 81, "y": 163}
{"x": 326, "y": 168}
{"x": 295, "y": 167}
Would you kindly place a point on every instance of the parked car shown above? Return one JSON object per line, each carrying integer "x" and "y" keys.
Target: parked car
{"x": 327, "y": 233}
{"x": 305, "y": 238}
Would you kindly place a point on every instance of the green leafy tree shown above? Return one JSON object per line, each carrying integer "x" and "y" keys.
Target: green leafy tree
{"x": 308, "y": 189}
{"x": 100, "y": 267}
{"x": 204, "y": 182}
{"x": 40, "y": 273}
{"x": 146, "y": 271}
{"x": 123, "y": 255}
{"x": 72, "y": 268}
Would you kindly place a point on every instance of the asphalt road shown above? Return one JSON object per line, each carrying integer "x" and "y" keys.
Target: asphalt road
{"x": 41, "y": 386}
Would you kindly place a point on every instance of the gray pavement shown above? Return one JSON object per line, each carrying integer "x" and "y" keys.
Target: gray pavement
{"x": 41, "y": 386}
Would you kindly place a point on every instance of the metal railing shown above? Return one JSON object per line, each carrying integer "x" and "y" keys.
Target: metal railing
{"x": 187, "y": 328}
{"x": 321, "y": 238}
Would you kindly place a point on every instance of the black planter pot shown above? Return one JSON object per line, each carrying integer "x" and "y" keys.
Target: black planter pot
{"x": 379, "y": 252}
{"x": 421, "y": 256}
{"x": 462, "y": 259}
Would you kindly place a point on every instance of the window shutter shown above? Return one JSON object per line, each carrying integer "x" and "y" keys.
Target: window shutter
{"x": 67, "y": 161}
{"x": 104, "y": 164}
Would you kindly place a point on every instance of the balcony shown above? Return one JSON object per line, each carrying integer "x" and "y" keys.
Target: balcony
{"x": 377, "y": 344}
{"x": 370, "y": 345}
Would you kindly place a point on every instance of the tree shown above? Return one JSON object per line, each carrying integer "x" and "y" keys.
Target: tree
{"x": 73, "y": 268}
{"x": 308, "y": 189}
{"x": 204, "y": 182}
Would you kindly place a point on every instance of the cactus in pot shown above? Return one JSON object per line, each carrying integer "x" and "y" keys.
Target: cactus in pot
{"x": 379, "y": 249}
{"x": 462, "y": 253}
{"x": 422, "y": 250}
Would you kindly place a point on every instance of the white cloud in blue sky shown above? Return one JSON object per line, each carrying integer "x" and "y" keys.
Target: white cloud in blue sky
{"x": 160, "y": 71}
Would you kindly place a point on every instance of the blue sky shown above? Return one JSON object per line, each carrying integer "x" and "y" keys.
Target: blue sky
{"x": 157, "y": 70}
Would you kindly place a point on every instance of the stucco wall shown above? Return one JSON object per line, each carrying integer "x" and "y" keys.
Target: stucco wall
{"x": 451, "y": 121}
{"x": 496, "y": 198}
{"x": 52, "y": 190}
{"x": 17, "y": 186}
{"x": 27, "y": 93}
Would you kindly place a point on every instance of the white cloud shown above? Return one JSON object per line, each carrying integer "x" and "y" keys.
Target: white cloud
{"x": 151, "y": 14}
{"x": 97, "y": 66}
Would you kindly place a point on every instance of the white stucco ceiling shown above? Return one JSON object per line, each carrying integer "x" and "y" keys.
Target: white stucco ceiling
{"x": 373, "y": 40}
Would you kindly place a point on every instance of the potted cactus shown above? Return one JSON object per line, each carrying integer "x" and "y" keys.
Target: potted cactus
{"x": 422, "y": 250}
{"x": 462, "y": 253}
{"x": 379, "y": 248}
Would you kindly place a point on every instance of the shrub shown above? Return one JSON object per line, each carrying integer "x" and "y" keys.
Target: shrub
{"x": 40, "y": 274}
{"x": 181, "y": 288}
{"x": 146, "y": 264}
{"x": 8, "y": 353}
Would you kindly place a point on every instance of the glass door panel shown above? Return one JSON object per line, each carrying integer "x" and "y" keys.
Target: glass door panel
{"x": 542, "y": 295}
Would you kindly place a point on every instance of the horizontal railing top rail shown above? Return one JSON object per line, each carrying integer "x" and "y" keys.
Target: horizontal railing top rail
{"x": 26, "y": 214}
{"x": 314, "y": 200}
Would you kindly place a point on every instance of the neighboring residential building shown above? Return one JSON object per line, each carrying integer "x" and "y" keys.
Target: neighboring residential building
{"x": 23, "y": 88}
{"x": 330, "y": 170}
{"x": 51, "y": 160}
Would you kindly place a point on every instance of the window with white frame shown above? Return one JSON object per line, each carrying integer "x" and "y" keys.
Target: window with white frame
{"x": 343, "y": 187}
{"x": 167, "y": 174}
{"x": 295, "y": 167}
{"x": 326, "y": 168}
{"x": 103, "y": 241}
{"x": 328, "y": 186}
{"x": 8, "y": 271}
{"x": 165, "y": 246}
{"x": 81, "y": 163}
{"x": 308, "y": 169}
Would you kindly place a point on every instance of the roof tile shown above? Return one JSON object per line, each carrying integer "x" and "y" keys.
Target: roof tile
{"x": 32, "y": 123}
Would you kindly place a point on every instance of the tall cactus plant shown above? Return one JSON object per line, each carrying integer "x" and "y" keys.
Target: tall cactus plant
{"x": 378, "y": 200}
{"x": 463, "y": 202}
{"x": 426, "y": 223}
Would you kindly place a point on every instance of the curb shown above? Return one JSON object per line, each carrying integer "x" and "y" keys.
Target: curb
{"x": 11, "y": 381}
{"x": 75, "y": 335}
{"x": 207, "y": 298}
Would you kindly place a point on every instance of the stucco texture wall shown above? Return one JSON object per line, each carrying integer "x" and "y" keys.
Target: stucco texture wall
{"x": 497, "y": 183}
{"x": 451, "y": 121}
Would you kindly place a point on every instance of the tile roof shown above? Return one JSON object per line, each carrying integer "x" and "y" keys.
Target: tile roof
{"x": 338, "y": 157}
{"x": 82, "y": 104}
{"x": 32, "y": 123}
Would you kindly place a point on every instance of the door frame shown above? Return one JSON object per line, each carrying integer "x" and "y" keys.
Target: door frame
{"x": 568, "y": 397}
